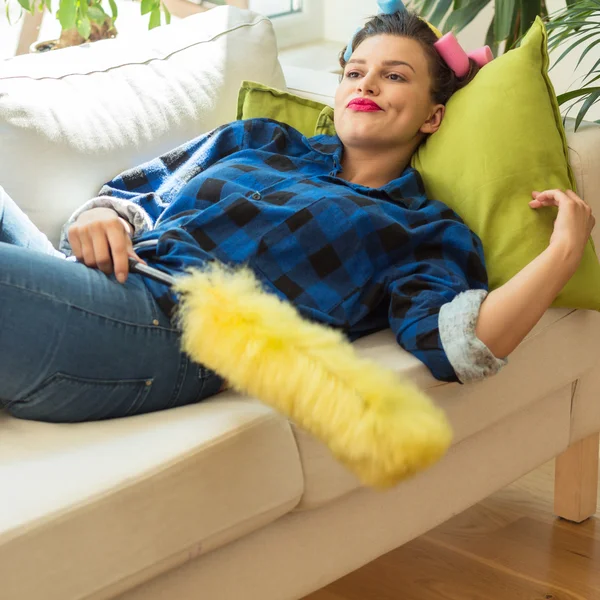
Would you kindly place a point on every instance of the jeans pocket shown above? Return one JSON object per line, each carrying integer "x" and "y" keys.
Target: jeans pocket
{"x": 63, "y": 398}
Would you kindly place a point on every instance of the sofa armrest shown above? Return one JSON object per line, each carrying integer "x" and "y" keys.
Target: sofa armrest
{"x": 584, "y": 154}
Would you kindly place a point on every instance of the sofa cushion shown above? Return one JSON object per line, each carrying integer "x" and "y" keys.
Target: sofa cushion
{"x": 94, "y": 504}
{"x": 72, "y": 119}
{"x": 307, "y": 116}
{"x": 503, "y": 137}
{"x": 562, "y": 346}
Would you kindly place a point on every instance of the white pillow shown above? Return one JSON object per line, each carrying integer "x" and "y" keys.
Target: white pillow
{"x": 72, "y": 119}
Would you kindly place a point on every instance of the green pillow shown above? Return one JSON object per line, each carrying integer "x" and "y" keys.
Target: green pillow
{"x": 510, "y": 108}
{"x": 310, "y": 118}
{"x": 501, "y": 138}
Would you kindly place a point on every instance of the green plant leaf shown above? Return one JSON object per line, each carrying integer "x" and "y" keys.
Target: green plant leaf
{"x": 48, "y": 4}
{"x": 490, "y": 40}
{"x": 504, "y": 19}
{"x": 592, "y": 99}
{"x": 167, "y": 14}
{"x": 513, "y": 39}
{"x": 589, "y": 48}
{"x": 7, "y": 11}
{"x": 97, "y": 14}
{"x": 562, "y": 98}
{"x": 154, "y": 18}
{"x": 591, "y": 73}
{"x": 557, "y": 38}
{"x": 113, "y": 9}
{"x": 67, "y": 14}
{"x": 84, "y": 27}
{"x": 574, "y": 45}
{"x": 82, "y": 7}
{"x": 441, "y": 10}
{"x": 148, "y": 6}
{"x": 529, "y": 9}
{"x": 460, "y": 18}
{"x": 25, "y": 4}
{"x": 589, "y": 80}
{"x": 427, "y": 7}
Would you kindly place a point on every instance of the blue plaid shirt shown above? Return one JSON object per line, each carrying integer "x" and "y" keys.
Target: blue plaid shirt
{"x": 360, "y": 259}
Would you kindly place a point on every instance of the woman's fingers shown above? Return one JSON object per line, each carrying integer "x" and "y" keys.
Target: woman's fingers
{"x": 75, "y": 242}
{"x": 548, "y": 198}
{"x": 101, "y": 239}
{"x": 102, "y": 251}
{"x": 133, "y": 255}
{"x": 120, "y": 246}
{"x": 87, "y": 248}
{"x": 558, "y": 197}
{"x": 574, "y": 221}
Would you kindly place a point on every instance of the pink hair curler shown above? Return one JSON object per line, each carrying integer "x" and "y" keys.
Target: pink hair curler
{"x": 451, "y": 51}
{"x": 482, "y": 56}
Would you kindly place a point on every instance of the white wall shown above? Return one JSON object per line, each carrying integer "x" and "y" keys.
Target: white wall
{"x": 301, "y": 28}
{"x": 342, "y": 17}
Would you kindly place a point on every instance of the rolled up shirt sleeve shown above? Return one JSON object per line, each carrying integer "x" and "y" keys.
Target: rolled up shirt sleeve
{"x": 470, "y": 358}
{"x": 142, "y": 195}
{"x": 128, "y": 210}
{"x": 435, "y": 305}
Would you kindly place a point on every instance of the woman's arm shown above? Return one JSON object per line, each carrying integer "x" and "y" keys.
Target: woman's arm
{"x": 510, "y": 312}
{"x": 142, "y": 194}
{"x": 99, "y": 232}
{"x": 435, "y": 301}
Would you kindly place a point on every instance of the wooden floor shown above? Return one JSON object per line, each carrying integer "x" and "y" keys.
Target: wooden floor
{"x": 509, "y": 547}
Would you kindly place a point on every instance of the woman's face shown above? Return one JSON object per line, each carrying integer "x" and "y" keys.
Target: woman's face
{"x": 384, "y": 99}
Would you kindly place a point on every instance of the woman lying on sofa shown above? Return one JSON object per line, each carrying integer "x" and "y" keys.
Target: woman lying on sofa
{"x": 339, "y": 226}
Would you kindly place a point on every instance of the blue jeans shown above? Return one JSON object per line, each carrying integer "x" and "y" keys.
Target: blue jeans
{"x": 76, "y": 345}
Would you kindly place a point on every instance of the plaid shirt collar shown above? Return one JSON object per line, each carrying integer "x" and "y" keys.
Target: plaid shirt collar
{"x": 332, "y": 149}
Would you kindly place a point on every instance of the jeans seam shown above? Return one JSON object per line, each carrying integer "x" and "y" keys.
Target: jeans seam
{"x": 59, "y": 375}
{"x": 181, "y": 377}
{"x": 143, "y": 392}
{"x": 87, "y": 311}
{"x": 156, "y": 311}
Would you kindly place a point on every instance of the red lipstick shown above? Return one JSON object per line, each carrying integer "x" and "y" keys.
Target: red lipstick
{"x": 364, "y": 105}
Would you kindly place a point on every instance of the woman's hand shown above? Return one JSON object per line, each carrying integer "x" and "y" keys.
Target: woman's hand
{"x": 101, "y": 239}
{"x": 510, "y": 312}
{"x": 573, "y": 225}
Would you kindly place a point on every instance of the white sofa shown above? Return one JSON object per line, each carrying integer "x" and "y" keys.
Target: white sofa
{"x": 225, "y": 500}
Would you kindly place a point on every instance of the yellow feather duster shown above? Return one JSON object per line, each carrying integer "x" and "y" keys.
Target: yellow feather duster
{"x": 381, "y": 428}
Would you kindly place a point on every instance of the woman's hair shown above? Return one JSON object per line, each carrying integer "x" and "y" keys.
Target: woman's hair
{"x": 407, "y": 24}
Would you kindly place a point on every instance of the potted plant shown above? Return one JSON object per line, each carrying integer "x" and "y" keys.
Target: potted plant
{"x": 512, "y": 18}
{"x": 88, "y": 20}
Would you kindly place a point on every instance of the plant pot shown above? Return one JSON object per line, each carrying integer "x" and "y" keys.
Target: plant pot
{"x": 70, "y": 37}
{"x": 39, "y": 47}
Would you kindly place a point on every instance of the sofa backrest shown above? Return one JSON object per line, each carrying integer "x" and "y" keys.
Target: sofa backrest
{"x": 72, "y": 119}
